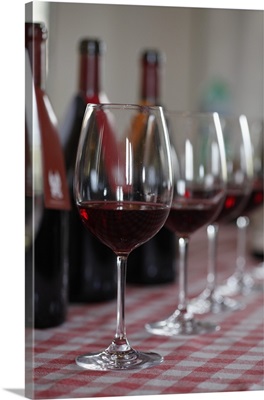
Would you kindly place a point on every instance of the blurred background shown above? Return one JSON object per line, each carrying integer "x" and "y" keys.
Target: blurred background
{"x": 214, "y": 57}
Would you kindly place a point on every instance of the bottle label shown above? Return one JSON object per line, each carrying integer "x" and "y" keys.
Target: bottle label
{"x": 55, "y": 186}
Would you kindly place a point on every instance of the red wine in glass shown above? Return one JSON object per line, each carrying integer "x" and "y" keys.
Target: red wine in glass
{"x": 123, "y": 204}
{"x": 123, "y": 226}
{"x": 186, "y": 218}
{"x": 199, "y": 165}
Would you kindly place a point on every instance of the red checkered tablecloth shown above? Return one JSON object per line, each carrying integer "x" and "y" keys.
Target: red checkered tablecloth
{"x": 230, "y": 359}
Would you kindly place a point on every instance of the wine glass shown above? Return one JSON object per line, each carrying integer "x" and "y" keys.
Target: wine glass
{"x": 243, "y": 281}
{"x": 239, "y": 180}
{"x": 123, "y": 197}
{"x": 199, "y": 168}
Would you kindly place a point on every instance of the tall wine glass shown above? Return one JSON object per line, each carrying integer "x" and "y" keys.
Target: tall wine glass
{"x": 199, "y": 168}
{"x": 242, "y": 281}
{"x": 239, "y": 183}
{"x": 123, "y": 197}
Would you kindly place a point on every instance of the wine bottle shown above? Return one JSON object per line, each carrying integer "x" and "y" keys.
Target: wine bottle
{"x": 154, "y": 261}
{"x": 92, "y": 266}
{"x": 46, "y": 194}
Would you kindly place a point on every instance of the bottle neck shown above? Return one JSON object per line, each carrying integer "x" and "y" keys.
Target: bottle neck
{"x": 89, "y": 74}
{"x": 37, "y": 56}
{"x": 150, "y": 83}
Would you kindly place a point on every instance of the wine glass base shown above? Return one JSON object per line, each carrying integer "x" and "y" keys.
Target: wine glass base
{"x": 236, "y": 284}
{"x": 181, "y": 325}
{"x": 211, "y": 302}
{"x": 105, "y": 361}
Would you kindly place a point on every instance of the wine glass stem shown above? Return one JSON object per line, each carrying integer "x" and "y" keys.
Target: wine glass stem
{"x": 183, "y": 253}
{"x": 120, "y": 342}
{"x": 121, "y": 278}
{"x": 242, "y": 223}
{"x": 212, "y": 235}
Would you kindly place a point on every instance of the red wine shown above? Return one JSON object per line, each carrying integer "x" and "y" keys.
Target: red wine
{"x": 122, "y": 226}
{"x": 234, "y": 203}
{"x": 187, "y": 217}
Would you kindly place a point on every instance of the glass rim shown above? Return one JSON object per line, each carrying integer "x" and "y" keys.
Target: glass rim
{"x": 126, "y": 106}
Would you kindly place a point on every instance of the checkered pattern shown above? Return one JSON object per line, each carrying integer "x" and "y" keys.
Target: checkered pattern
{"x": 228, "y": 360}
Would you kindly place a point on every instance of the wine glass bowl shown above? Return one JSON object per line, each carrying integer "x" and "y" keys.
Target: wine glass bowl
{"x": 238, "y": 149}
{"x": 123, "y": 190}
{"x": 199, "y": 170}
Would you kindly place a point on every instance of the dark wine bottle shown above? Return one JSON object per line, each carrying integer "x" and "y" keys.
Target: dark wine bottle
{"x": 46, "y": 194}
{"x": 154, "y": 261}
{"x": 92, "y": 266}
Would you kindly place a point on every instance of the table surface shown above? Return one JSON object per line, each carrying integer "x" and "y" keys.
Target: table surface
{"x": 230, "y": 359}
